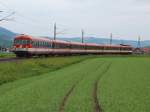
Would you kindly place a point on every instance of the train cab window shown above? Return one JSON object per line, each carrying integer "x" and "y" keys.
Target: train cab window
{"x": 23, "y": 42}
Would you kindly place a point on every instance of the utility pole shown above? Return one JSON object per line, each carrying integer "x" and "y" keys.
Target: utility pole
{"x": 55, "y": 31}
{"x": 111, "y": 36}
{"x": 82, "y": 31}
{"x": 139, "y": 42}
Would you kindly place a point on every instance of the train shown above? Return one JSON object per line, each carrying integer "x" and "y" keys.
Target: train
{"x": 29, "y": 46}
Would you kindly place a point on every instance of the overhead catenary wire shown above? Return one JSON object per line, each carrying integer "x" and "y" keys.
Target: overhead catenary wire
{"x": 19, "y": 14}
{"x": 35, "y": 22}
{"x": 9, "y": 12}
{"x": 6, "y": 18}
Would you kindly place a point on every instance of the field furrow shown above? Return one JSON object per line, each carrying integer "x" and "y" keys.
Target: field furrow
{"x": 85, "y": 74}
{"x": 81, "y": 98}
{"x": 97, "y": 106}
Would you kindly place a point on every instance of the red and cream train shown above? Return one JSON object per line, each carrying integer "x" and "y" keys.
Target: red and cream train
{"x": 26, "y": 46}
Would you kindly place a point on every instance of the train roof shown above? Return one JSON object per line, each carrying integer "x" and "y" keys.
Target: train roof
{"x": 60, "y": 41}
{"x": 78, "y": 43}
{"x": 23, "y": 36}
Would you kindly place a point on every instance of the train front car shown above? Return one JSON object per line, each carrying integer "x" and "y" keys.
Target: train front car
{"x": 21, "y": 46}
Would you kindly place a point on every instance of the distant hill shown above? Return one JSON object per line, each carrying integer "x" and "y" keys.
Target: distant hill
{"x": 6, "y": 37}
{"x": 6, "y": 34}
{"x": 106, "y": 41}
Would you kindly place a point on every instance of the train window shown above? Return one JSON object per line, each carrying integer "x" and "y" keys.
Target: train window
{"x": 43, "y": 44}
{"x": 36, "y": 44}
{"x": 49, "y": 45}
{"x": 33, "y": 44}
{"x": 39, "y": 44}
{"x": 46, "y": 44}
{"x": 22, "y": 42}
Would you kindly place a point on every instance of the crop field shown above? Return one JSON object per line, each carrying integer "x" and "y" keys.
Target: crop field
{"x": 10, "y": 71}
{"x": 6, "y": 55}
{"x": 77, "y": 84}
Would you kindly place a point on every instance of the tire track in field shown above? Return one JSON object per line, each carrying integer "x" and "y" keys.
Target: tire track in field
{"x": 66, "y": 97}
{"x": 97, "y": 107}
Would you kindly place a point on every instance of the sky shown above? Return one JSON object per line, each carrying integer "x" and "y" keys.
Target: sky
{"x": 125, "y": 19}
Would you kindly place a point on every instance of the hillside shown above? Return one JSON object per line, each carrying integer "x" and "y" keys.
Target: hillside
{"x": 6, "y": 37}
{"x": 106, "y": 41}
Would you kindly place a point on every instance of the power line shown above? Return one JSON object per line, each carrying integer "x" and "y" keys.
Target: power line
{"x": 6, "y": 18}
{"x": 4, "y": 5}
{"x": 20, "y": 14}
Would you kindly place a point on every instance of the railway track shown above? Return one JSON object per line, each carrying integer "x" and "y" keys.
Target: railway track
{"x": 10, "y": 59}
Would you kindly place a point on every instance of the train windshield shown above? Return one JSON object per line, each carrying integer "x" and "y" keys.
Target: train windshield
{"x": 23, "y": 42}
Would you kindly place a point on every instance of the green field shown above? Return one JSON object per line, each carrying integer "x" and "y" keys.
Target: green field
{"x": 10, "y": 71}
{"x": 77, "y": 84}
{"x": 6, "y": 55}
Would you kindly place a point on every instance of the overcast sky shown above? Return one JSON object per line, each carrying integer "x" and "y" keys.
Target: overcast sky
{"x": 126, "y": 19}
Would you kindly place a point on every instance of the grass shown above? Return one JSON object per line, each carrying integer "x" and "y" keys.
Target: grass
{"x": 124, "y": 87}
{"x": 6, "y": 55}
{"x": 10, "y": 71}
{"x": 42, "y": 93}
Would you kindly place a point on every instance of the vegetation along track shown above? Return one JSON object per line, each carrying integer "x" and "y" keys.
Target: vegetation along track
{"x": 97, "y": 107}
